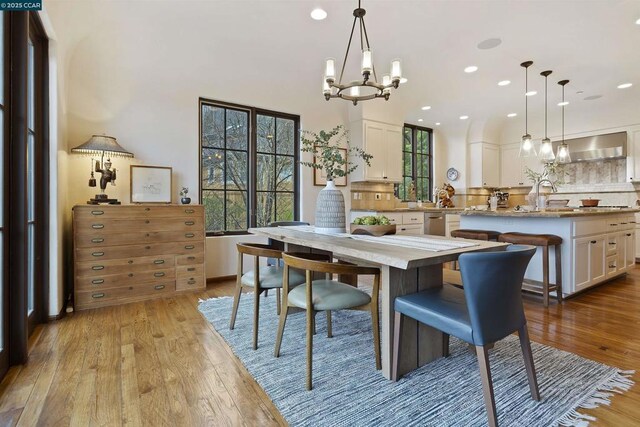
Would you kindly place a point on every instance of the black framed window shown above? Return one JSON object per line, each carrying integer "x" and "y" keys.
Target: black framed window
{"x": 417, "y": 162}
{"x": 248, "y": 174}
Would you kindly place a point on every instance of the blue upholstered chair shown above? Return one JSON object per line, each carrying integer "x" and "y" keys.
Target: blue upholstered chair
{"x": 487, "y": 310}
{"x": 260, "y": 279}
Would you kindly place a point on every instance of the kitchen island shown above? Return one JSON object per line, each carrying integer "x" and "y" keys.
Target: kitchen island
{"x": 597, "y": 244}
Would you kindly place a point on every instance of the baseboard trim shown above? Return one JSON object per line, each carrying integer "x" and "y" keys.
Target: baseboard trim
{"x": 220, "y": 279}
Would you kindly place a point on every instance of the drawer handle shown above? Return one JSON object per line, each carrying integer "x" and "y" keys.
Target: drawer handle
{"x": 191, "y": 269}
{"x": 189, "y": 247}
{"x": 593, "y": 242}
{"x": 612, "y": 266}
{"x": 97, "y": 212}
{"x": 130, "y": 261}
{"x": 147, "y": 209}
{"x": 191, "y": 281}
{"x": 612, "y": 243}
{"x": 97, "y": 267}
{"x": 97, "y": 281}
{"x": 632, "y": 222}
{"x": 414, "y": 219}
{"x": 189, "y": 211}
{"x": 147, "y": 247}
{"x": 623, "y": 223}
{"x": 158, "y": 261}
{"x": 160, "y": 274}
{"x": 628, "y": 234}
{"x": 98, "y": 295}
{"x": 130, "y": 274}
{"x": 158, "y": 287}
{"x": 97, "y": 226}
{"x": 146, "y": 221}
{"x": 189, "y": 222}
{"x": 189, "y": 235}
{"x": 613, "y": 225}
{"x": 97, "y": 253}
{"x": 98, "y": 240}
{"x": 191, "y": 258}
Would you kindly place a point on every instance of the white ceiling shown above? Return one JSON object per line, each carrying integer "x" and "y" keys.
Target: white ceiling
{"x": 275, "y": 46}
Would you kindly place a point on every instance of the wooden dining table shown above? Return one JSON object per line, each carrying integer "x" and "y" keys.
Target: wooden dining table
{"x": 406, "y": 269}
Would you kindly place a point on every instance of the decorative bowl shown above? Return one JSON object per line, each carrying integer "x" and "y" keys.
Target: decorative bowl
{"x": 590, "y": 203}
{"x": 373, "y": 230}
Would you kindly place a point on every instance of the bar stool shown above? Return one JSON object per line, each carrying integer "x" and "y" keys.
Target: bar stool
{"x": 543, "y": 240}
{"x": 476, "y": 234}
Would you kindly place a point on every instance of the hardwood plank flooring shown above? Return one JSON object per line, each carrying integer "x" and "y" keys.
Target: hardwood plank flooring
{"x": 161, "y": 363}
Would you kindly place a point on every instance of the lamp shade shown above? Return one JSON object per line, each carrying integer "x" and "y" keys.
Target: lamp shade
{"x": 99, "y": 144}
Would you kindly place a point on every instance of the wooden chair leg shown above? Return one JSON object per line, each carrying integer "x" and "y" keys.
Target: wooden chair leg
{"x": 545, "y": 275}
{"x": 310, "y": 333}
{"x": 375, "y": 327}
{"x": 236, "y": 302}
{"x": 329, "y": 326}
{"x": 558, "y": 272}
{"x": 281, "y": 324}
{"x": 278, "y": 303}
{"x": 313, "y": 322}
{"x": 397, "y": 332}
{"x": 487, "y": 385}
{"x": 525, "y": 344}
{"x": 445, "y": 345}
{"x": 256, "y": 316}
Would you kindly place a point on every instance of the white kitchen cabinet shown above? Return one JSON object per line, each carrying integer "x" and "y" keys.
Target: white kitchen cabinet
{"x": 452, "y": 223}
{"x": 384, "y": 142}
{"x": 513, "y": 167}
{"x": 484, "y": 165}
{"x": 590, "y": 258}
{"x": 630, "y": 246}
{"x": 581, "y": 267}
{"x": 633, "y": 160}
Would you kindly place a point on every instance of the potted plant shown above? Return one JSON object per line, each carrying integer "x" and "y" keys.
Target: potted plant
{"x": 327, "y": 156}
{"x": 184, "y": 199}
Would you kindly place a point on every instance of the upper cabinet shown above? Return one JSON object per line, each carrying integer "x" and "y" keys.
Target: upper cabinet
{"x": 633, "y": 159}
{"x": 512, "y": 167}
{"x": 384, "y": 142}
{"x": 484, "y": 165}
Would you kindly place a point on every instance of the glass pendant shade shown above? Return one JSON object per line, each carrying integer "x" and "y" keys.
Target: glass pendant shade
{"x": 396, "y": 69}
{"x": 527, "y": 148}
{"x": 330, "y": 69}
{"x": 367, "y": 61}
{"x": 546, "y": 151}
{"x": 563, "y": 155}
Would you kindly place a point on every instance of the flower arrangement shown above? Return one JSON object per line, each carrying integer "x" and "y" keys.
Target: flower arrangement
{"x": 327, "y": 152}
{"x": 184, "y": 191}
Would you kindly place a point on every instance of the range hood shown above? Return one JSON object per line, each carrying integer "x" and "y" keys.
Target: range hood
{"x": 598, "y": 147}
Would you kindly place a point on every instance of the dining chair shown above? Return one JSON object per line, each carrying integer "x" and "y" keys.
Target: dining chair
{"x": 326, "y": 295}
{"x": 487, "y": 310}
{"x": 261, "y": 278}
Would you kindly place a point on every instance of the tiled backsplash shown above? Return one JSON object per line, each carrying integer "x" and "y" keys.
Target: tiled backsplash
{"x": 603, "y": 171}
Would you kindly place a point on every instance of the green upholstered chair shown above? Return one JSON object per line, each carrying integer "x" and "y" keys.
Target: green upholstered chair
{"x": 261, "y": 278}
{"x": 325, "y": 295}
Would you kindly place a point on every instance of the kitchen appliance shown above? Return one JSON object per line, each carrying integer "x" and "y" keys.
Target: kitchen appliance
{"x": 434, "y": 223}
{"x": 503, "y": 199}
{"x": 598, "y": 147}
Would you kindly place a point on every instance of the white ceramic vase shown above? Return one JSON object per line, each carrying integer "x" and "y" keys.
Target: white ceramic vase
{"x": 330, "y": 212}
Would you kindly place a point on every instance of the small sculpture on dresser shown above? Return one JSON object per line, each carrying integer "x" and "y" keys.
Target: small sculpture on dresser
{"x": 184, "y": 198}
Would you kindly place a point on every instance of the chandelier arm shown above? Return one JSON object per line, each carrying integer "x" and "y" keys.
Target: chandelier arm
{"x": 346, "y": 55}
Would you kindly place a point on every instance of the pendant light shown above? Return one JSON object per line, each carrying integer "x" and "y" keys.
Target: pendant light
{"x": 546, "y": 149}
{"x": 526, "y": 146}
{"x": 563, "y": 155}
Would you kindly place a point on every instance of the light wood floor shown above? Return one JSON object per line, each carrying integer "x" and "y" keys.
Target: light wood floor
{"x": 160, "y": 363}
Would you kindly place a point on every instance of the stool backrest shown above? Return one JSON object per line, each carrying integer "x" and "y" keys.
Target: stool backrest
{"x": 493, "y": 290}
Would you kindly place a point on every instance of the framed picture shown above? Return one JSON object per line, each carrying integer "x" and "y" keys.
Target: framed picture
{"x": 320, "y": 177}
{"x": 150, "y": 184}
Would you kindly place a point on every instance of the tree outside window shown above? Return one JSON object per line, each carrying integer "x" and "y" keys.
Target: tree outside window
{"x": 417, "y": 162}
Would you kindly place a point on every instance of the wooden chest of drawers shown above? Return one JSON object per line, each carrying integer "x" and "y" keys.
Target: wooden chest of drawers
{"x": 136, "y": 252}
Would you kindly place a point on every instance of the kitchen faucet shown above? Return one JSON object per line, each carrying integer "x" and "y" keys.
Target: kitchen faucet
{"x": 553, "y": 188}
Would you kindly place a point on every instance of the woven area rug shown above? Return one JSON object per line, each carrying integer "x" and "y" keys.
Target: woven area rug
{"x": 348, "y": 391}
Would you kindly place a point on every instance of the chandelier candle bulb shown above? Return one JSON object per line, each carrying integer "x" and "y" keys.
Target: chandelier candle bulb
{"x": 386, "y": 81}
{"x": 330, "y": 70}
{"x": 367, "y": 62}
{"x": 396, "y": 69}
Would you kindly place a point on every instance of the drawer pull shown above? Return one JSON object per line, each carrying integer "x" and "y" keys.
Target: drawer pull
{"x": 97, "y": 226}
{"x": 189, "y": 247}
{"x": 191, "y": 281}
{"x": 189, "y": 235}
{"x": 97, "y": 281}
{"x": 158, "y": 261}
{"x": 593, "y": 242}
{"x": 97, "y": 212}
{"x": 158, "y": 287}
{"x": 97, "y": 267}
{"x": 613, "y": 225}
{"x": 98, "y": 295}
{"x": 147, "y": 247}
{"x": 189, "y": 211}
{"x": 191, "y": 258}
{"x": 628, "y": 234}
{"x": 97, "y": 253}
{"x": 159, "y": 274}
{"x": 130, "y": 274}
{"x": 189, "y": 222}
{"x": 191, "y": 269}
{"x": 98, "y": 240}
{"x": 612, "y": 266}
{"x": 147, "y": 209}
{"x": 623, "y": 223}
{"x": 414, "y": 219}
{"x": 130, "y": 261}
{"x": 612, "y": 243}
{"x": 146, "y": 221}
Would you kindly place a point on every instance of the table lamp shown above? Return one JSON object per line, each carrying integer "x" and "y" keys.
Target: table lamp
{"x": 101, "y": 145}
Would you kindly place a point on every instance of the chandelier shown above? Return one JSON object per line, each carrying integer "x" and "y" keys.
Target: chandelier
{"x": 365, "y": 88}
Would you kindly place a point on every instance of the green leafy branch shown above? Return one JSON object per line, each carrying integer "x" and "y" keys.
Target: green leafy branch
{"x": 329, "y": 152}
{"x": 554, "y": 172}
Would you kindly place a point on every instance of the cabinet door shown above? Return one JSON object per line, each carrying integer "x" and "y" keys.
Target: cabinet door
{"x": 490, "y": 166}
{"x": 393, "y": 159}
{"x": 630, "y": 254}
{"x": 597, "y": 258}
{"x": 634, "y": 174}
{"x": 637, "y": 238}
{"x": 475, "y": 165}
{"x": 621, "y": 250}
{"x": 511, "y": 167}
{"x": 374, "y": 144}
{"x": 581, "y": 267}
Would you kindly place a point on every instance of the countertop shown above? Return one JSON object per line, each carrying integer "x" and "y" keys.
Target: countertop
{"x": 550, "y": 213}
{"x": 400, "y": 210}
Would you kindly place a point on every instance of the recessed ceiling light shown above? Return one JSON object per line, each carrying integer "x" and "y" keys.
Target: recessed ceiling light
{"x": 471, "y": 69}
{"x": 592, "y": 97}
{"x": 420, "y": 120}
{"x": 638, "y": 21}
{"x": 512, "y": 114}
{"x": 489, "y": 43}
{"x": 437, "y": 123}
{"x": 531, "y": 93}
{"x": 464, "y": 117}
{"x": 504, "y": 82}
{"x": 403, "y": 80}
{"x": 426, "y": 107}
{"x": 563, "y": 103}
{"x": 318, "y": 14}
{"x": 625, "y": 85}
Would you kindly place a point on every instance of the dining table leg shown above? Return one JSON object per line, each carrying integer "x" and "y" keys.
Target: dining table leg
{"x": 420, "y": 344}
